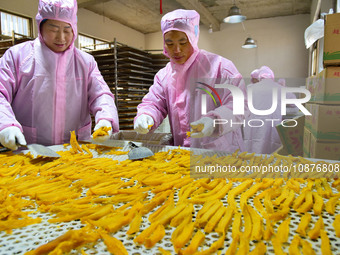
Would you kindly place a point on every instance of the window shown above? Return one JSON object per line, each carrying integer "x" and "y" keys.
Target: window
{"x": 19, "y": 24}
{"x": 91, "y": 43}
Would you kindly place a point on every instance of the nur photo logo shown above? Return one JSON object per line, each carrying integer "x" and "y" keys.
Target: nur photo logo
{"x": 239, "y": 103}
{"x": 209, "y": 93}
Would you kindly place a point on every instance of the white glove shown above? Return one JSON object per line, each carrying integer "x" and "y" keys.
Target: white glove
{"x": 103, "y": 123}
{"x": 208, "y": 127}
{"x": 143, "y": 124}
{"x": 11, "y": 136}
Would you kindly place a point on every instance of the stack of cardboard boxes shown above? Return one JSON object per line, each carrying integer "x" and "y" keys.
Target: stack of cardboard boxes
{"x": 322, "y": 128}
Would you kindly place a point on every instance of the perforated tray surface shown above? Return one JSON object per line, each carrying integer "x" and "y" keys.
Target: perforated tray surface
{"x": 32, "y": 236}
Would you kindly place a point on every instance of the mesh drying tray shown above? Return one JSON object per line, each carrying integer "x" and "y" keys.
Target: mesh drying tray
{"x": 32, "y": 236}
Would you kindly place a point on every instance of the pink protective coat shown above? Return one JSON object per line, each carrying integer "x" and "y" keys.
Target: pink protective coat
{"x": 264, "y": 139}
{"x": 48, "y": 94}
{"x": 175, "y": 91}
{"x": 263, "y": 73}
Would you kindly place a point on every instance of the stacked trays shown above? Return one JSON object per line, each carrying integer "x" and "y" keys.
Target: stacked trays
{"x": 129, "y": 73}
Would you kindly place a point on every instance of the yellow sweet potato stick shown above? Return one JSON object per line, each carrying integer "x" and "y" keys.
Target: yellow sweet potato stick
{"x": 103, "y": 131}
{"x": 164, "y": 252}
{"x": 68, "y": 241}
{"x": 9, "y": 224}
{"x": 233, "y": 246}
{"x": 113, "y": 245}
{"x": 327, "y": 188}
{"x": 236, "y": 227}
{"x": 258, "y": 205}
{"x": 307, "y": 248}
{"x": 187, "y": 212}
{"x": 50, "y": 246}
{"x": 180, "y": 229}
{"x": 197, "y": 128}
{"x": 164, "y": 209}
{"x": 248, "y": 226}
{"x": 289, "y": 200}
{"x": 184, "y": 236}
{"x": 140, "y": 239}
{"x": 315, "y": 232}
{"x": 304, "y": 222}
{"x": 283, "y": 231}
{"x": 325, "y": 246}
{"x": 282, "y": 197}
{"x": 166, "y": 218}
{"x": 318, "y": 203}
{"x": 257, "y": 226}
{"x": 268, "y": 203}
{"x": 114, "y": 226}
{"x": 294, "y": 246}
{"x": 260, "y": 249}
{"x": 85, "y": 148}
{"x": 279, "y": 215}
{"x": 331, "y": 204}
{"x": 214, "y": 247}
{"x": 214, "y": 219}
{"x": 294, "y": 185}
{"x": 196, "y": 241}
{"x": 307, "y": 205}
{"x": 205, "y": 208}
{"x": 202, "y": 221}
{"x": 243, "y": 249}
{"x": 299, "y": 200}
{"x": 74, "y": 143}
{"x": 277, "y": 245}
{"x": 224, "y": 223}
{"x": 155, "y": 237}
{"x": 99, "y": 213}
{"x": 239, "y": 189}
{"x": 135, "y": 224}
{"x": 269, "y": 231}
{"x": 216, "y": 194}
{"x": 134, "y": 210}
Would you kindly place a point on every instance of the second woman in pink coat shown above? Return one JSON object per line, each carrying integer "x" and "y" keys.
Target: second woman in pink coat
{"x": 176, "y": 90}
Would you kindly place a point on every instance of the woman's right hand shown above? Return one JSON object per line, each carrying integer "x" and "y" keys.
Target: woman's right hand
{"x": 143, "y": 124}
{"x": 10, "y": 137}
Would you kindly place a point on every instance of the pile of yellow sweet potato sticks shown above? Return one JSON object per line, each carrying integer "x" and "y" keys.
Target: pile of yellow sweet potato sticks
{"x": 108, "y": 195}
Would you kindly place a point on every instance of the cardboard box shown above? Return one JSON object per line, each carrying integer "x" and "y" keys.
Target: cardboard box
{"x": 325, "y": 86}
{"x": 324, "y": 123}
{"x": 331, "y": 54}
{"x": 306, "y": 142}
{"x": 324, "y": 150}
{"x": 291, "y": 135}
{"x": 281, "y": 151}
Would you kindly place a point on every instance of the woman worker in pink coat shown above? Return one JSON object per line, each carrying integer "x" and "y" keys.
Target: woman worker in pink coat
{"x": 176, "y": 90}
{"x": 264, "y": 139}
{"x": 48, "y": 87}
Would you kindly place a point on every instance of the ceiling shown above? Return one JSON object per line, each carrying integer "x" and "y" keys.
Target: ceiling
{"x": 144, "y": 15}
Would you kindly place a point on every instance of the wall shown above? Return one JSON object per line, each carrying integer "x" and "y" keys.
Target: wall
{"x": 104, "y": 28}
{"x": 88, "y": 23}
{"x": 280, "y": 45}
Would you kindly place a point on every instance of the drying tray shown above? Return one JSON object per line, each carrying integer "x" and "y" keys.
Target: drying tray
{"x": 30, "y": 237}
